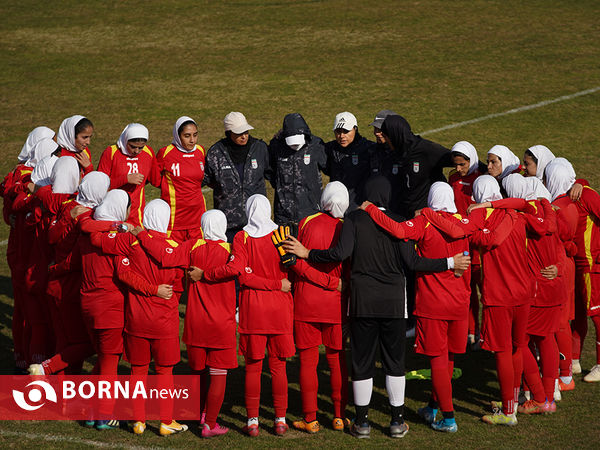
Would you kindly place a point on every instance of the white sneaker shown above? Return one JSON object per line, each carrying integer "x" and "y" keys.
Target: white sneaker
{"x": 575, "y": 366}
{"x": 36, "y": 369}
{"x": 594, "y": 374}
{"x": 557, "y": 394}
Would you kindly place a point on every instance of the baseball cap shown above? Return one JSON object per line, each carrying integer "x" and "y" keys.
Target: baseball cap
{"x": 380, "y": 117}
{"x": 236, "y": 122}
{"x": 345, "y": 120}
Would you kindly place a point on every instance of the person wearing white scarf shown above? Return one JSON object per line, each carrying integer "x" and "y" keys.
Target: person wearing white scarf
{"x": 41, "y": 175}
{"x": 114, "y": 207}
{"x": 560, "y": 177}
{"x": 132, "y": 131}
{"x": 468, "y": 152}
{"x": 189, "y": 133}
{"x": 66, "y": 137}
{"x": 258, "y": 211}
{"x": 528, "y": 188}
{"x": 335, "y": 199}
{"x": 93, "y": 189}
{"x": 36, "y": 135}
{"x": 536, "y": 159}
{"x": 214, "y": 225}
{"x": 156, "y": 216}
{"x": 501, "y": 161}
{"x": 65, "y": 176}
{"x": 441, "y": 197}
{"x": 44, "y": 148}
{"x": 486, "y": 189}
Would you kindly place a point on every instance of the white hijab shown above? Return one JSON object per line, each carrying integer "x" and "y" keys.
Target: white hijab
{"x": 529, "y": 188}
{"x": 258, "y": 210}
{"x": 93, "y": 189}
{"x": 510, "y": 161}
{"x": 214, "y": 225}
{"x": 44, "y": 148}
{"x": 131, "y": 131}
{"x": 544, "y": 156}
{"x": 467, "y": 149}
{"x": 486, "y": 189}
{"x": 157, "y": 215}
{"x": 335, "y": 199}
{"x": 65, "y": 175}
{"x": 42, "y": 173}
{"x": 560, "y": 177}
{"x": 441, "y": 197}
{"x": 36, "y": 135}
{"x": 176, "y": 139}
{"x": 113, "y": 207}
{"x": 66, "y": 133}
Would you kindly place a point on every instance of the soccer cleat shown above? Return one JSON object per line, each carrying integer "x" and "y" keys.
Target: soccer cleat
{"x": 36, "y": 369}
{"x": 251, "y": 430}
{"x": 338, "y": 423}
{"x": 281, "y": 428}
{"x": 427, "y": 413}
{"x": 549, "y": 407}
{"x": 107, "y": 424}
{"x": 217, "y": 430}
{"x": 139, "y": 427}
{"x": 398, "y": 430}
{"x": 566, "y": 386}
{"x": 362, "y": 431}
{"x": 89, "y": 423}
{"x": 531, "y": 407}
{"x": 594, "y": 375}
{"x": 575, "y": 367}
{"x": 310, "y": 427}
{"x": 499, "y": 418}
{"x": 444, "y": 426}
{"x": 167, "y": 429}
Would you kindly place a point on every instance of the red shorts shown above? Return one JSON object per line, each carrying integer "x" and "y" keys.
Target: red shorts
{"x": 438, "y": 336}
{"x": 544, "y": 321}
{"x": 107, "y": 341}
{"x": 253, "y": 346}
{"x": 587, "y": 291}
{"x": 140, "y": 351}
{"x": 313, "y": 334}
{"x": 504, "y": 327}
{"x": 217, "y": 358}
{"x": 185, "y": 235}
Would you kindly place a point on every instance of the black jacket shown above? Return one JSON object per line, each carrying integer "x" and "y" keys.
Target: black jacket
{"x": 386, "y": 162}
{"x": 296, "y": 174}
{"x": 230, "y": 192}
{"x": 379, "y": 261}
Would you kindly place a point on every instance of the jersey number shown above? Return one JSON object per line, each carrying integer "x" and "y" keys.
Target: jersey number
{"x": 133, "y": 168}
{"x": 175, "y": 169}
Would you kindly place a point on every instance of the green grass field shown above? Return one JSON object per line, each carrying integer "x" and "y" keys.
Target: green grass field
{"x": 435, "y": 62}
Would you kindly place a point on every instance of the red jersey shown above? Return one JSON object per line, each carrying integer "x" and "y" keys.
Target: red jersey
{"x": 587, "y": 236}
{"x": 439, "y": 295}
{"x": 181, "y": 185}
{"x": 88, "y": 169}
{"x": 264, "y": 308}
{"x": 20, "y": 237}
{"x": 463, "y": 190}
{"x": 312, "y": 302}
{"x": 117, "y": 166}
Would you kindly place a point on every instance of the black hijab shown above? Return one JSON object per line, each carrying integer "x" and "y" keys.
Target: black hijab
{"x": 398, "y": 130}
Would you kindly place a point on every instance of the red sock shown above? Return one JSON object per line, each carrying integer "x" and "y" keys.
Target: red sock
{"x": 549, "y": 359}
{"x": 531, "y": 374}
{"x": 165, "y": 381}
{"x": 216, "y": 393}
{"x": 204, "y": 382}
{"x": 441, "y": 381}
{"x": 279, "y": 385}
{"x": 517, "y": 362}
{"x": 596, "y": 320}
{"x": 339, "y": 381}
{"x": 139, "y": 373}
{"x": 564, "y": 340}
{"x": 309, "y": 382}
{"x": 504, "y": 368}
{"x": 107, "y": 367}
{"x": 252, "y": 386}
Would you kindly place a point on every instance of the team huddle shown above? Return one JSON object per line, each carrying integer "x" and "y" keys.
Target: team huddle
{"x": 98, "y": 271}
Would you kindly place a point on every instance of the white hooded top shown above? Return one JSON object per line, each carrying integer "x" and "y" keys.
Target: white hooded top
{"x": 36, "y": 135}
{"x": 467, "y": 149}
{"x": 486, "y": 189}
{"x": 65, "y": 175}
{"x": 66, "y": 133}
{"x": 214, "y": 225}
{"x": 131, "y": 131}
{"x": 560, "y": 177}
{"x": 335, "y": 199}
{"x": 176, "y": 139}
{"x": 441, "y": 197}
{"x": 157, "y": 214}
{"x": 258, "y": 210}
{"x": 113, "y": 207}
{"x": 510, "y": 161}
{"x": 42, "y": 173}
{"x": 44, "y": 148}
{"x": 93, "y": 189}
{"x": 528, "y": 188}
{"x": 544, "y": 156}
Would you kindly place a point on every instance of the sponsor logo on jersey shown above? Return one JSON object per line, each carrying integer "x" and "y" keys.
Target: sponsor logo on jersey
{"x": 112, "y": 235}
{"x": 306, "y": 159}
{"x": 416, "y": 165}
{"x": 410, "y": 224}
{"x": 465, "y": 220}
{"x": 169, "y": 250}
{"x": 231, "y": 257}
{"x": 248, "y": 269}
{"x": 254, "y": 163}
{"x": 125, "y": 261}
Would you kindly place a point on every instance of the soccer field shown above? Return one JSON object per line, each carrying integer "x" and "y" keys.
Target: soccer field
{"x": 490, "y": 72}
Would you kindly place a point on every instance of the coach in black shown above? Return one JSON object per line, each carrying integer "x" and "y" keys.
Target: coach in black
{"x": 377, "y": 301}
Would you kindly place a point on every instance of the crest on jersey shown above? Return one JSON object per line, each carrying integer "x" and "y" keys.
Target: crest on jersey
{"x": 395, "y": 169}
{"x": 169, "y": 250}
{"x": 306, "y": 159}
{"x": 254, "y": 163}
{"x": 355, "y": 160}
{"x": 416, "y": 165}
{"x": 201, "y": 165}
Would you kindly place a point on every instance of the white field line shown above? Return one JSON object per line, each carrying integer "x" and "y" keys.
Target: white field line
{"x": 512, "y": 111}
{"x": 69, "y": 439}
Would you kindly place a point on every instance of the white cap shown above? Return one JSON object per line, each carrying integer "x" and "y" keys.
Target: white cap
{"x": 236, "y": 122}
{"x": 345, "y": 120}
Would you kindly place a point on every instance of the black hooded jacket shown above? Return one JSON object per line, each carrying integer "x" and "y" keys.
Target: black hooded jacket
{"x": 379, "y": 260}
{"x": 296, "y": 175}
{"x": 421, "y": 165}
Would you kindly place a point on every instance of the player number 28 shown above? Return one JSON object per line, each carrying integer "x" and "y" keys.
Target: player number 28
{"x": 133, "y": 168}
